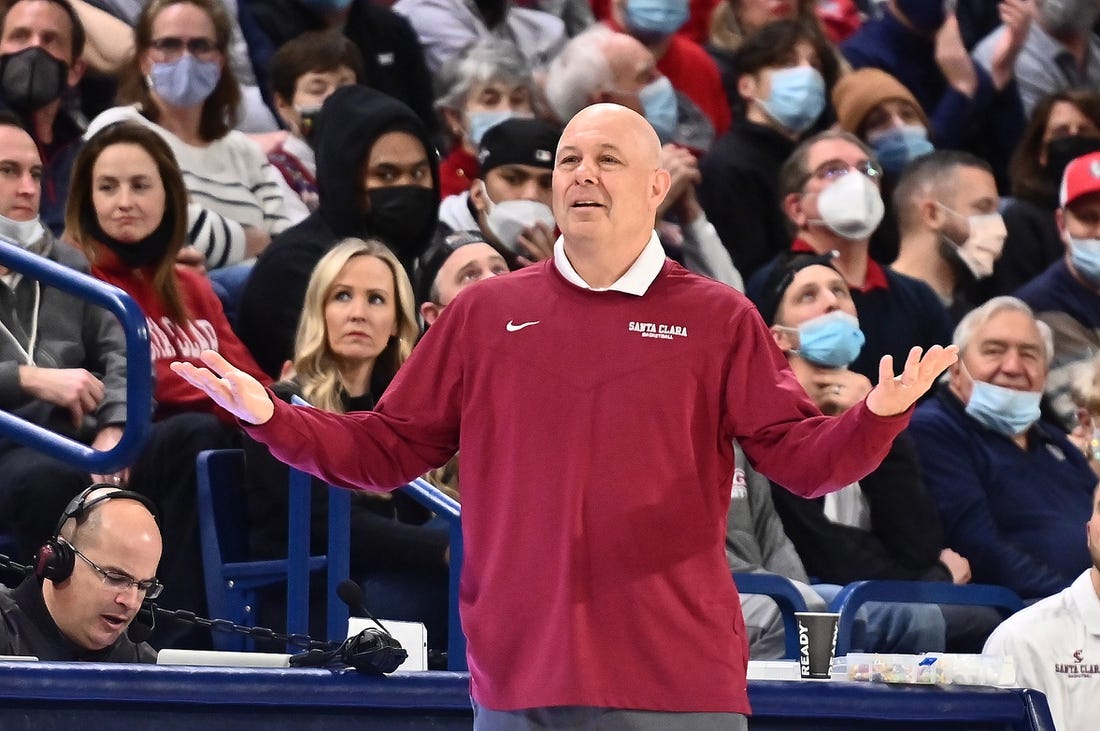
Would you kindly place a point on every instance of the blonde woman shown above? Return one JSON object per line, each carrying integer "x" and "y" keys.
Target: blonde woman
{"x": 358, "y": 326}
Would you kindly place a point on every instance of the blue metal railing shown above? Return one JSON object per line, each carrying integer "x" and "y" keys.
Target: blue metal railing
{"x": 139, "y": 383}
{"x": 338, "y": 555}
{"x": 448, "y": 508}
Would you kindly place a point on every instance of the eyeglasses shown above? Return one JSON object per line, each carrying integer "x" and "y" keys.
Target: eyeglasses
{"x": 116, "y": 581}
{"x": 834, "y": 169}
{"x": 173, "y": 46}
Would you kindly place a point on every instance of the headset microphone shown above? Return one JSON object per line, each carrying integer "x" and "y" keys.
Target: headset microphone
{"x": 141, "y": 628}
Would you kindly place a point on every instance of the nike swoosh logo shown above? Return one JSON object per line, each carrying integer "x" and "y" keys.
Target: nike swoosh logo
{"x": 512, "y": 327}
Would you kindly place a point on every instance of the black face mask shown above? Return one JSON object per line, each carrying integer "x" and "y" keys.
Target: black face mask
{"x": 32, "y": 78}
{"x": 1062, "y": 151}
{"x": 136, "y": 254}
{"x": 404, "y": 216}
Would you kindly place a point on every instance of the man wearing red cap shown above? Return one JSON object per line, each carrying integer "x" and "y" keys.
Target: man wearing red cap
{"x": 1067, "y": 295}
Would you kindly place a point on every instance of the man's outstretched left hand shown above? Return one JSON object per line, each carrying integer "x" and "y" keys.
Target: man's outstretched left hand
{"x": 895, "y": 394}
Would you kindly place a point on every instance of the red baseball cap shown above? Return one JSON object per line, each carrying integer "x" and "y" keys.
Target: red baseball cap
{"x": 1082, "y": 176}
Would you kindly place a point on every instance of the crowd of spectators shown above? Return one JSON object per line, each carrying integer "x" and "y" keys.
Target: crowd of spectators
{"x": 304, "y": 186}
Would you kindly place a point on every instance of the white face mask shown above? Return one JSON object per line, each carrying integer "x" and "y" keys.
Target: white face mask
{"x": 23, "y": 233}
{"x": 851, "y": 207}
{"x": 507, "y": 220}
{"x": 983, "y": 246}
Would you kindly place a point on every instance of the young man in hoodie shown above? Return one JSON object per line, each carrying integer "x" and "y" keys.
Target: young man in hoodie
{"x": 377, "y": 176}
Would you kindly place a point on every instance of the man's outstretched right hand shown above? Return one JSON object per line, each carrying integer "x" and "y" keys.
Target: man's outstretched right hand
{"x": 231, "y": 388}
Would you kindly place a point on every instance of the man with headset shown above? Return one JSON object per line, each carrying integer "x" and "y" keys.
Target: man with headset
{"x": 88, "y": 584}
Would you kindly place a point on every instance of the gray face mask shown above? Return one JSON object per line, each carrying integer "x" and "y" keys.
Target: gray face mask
{"x": 23, "y": 233}
{"x": 1065, "y": 17}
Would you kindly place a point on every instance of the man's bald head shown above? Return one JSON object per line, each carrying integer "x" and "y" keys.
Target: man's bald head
{"x": 112, "y": 537}
{"x": 120, "y": 512}
{"x": 608, "y": 181}
{"x": 632, "y": 125}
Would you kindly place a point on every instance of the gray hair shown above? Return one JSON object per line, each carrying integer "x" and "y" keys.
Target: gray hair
{"x": 979, "y": 316}
{"x": 492, "y": 59}
{"x": 579, "y": 71}
{"x": 794, "y": 173}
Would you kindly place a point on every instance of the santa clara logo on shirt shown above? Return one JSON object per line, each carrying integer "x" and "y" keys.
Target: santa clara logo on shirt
{"x": 659, "y": 330}
{"x": 1078, "y": 668}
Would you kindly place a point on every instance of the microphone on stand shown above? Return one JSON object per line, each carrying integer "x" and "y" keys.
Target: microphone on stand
{"x": 351, "y": 593}
{"x": 372, "y": 650}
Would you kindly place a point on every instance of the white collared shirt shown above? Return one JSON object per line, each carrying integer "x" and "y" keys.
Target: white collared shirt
{"x": 1055, "y": 644}
{"x": 635, "y": 280}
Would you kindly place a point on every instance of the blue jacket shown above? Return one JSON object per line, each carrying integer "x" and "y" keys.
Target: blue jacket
{"x": 1057, "y": 290}
{"x": 1017, "y": 515}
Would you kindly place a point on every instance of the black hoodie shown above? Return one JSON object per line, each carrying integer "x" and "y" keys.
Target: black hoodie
{"x": 351, "y": 120}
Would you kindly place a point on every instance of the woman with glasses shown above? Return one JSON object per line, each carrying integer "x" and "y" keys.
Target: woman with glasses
{"x": 180, "y": 84}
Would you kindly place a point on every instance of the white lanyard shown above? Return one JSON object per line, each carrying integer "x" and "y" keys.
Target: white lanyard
{"x": 28, "y": 353}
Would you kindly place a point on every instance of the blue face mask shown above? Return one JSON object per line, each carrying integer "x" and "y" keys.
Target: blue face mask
{"x": 1004, "y": 410}
{"x": 659, "y": 102}
{"x": 651, "y": 21}
{"x": 1085, "y": 256}
{"x": 186, "y": 81}
{"x": 832, "y": 340}
{"x": 480, "y": 122}
{"x": 897, "y": 147}
{"x": 797, "y": 98}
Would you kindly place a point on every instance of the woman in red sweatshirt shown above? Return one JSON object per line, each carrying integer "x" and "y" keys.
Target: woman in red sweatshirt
{"x": 128, "y": 211}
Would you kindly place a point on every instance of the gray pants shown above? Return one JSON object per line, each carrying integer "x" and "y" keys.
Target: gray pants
{"x": 589, "y": 718}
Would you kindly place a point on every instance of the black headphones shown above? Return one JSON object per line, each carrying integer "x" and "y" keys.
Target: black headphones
{"x": 55, "y": 560}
